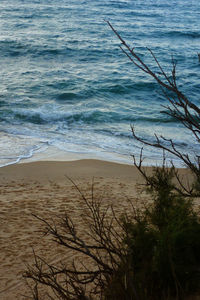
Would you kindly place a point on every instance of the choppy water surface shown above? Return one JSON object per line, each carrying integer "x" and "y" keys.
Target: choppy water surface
{"x": 65, "y": 83}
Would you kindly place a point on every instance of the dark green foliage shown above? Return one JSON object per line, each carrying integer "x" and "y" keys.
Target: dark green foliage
{"x": 163, "y": 247}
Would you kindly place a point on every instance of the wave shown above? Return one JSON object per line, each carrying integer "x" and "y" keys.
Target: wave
{"x": 71, "y": 92}
{"x": 183, "y": 34}
{"x": 66, "y": 49}
{"x": 67, "y": 96}
{"x": 2, "y": 103}
{"x": 87, "y": 117}
{"x": 18, "y": 48}
{"x": 120, "y": 87}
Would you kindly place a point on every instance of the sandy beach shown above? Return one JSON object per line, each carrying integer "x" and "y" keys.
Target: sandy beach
{"x": 43, "y": 188}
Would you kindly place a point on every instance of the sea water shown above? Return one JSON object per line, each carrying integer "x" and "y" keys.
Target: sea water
{"x": 65, "y": 84}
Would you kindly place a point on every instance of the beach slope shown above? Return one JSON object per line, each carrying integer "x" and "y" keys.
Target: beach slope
{"x": 44, "y": 189}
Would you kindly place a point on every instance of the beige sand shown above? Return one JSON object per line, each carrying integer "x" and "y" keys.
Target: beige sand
{"x": 43, "y": 188}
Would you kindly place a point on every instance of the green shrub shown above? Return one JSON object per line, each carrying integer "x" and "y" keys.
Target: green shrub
{"x": 163, "y": 248}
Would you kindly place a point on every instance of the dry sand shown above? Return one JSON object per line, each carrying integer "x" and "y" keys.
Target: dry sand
{"x": 43, "y": 188}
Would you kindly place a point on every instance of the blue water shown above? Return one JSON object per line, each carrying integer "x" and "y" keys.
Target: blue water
{"x": 66, "y": 84}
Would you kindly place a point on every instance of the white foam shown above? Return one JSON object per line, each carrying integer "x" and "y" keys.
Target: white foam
{"x": 15, "y": 148}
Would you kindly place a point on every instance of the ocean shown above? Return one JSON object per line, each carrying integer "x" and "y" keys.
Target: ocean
{"x": 66, "y": 85}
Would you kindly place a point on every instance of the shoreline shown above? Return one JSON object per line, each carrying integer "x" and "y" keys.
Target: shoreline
{"x": 55, "y": 154}
{"x": 52, "y": 153}
{"x": 58, "y": 170}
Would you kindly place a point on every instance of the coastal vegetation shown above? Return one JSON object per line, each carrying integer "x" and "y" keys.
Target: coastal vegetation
{"x": 152, "y": 253}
